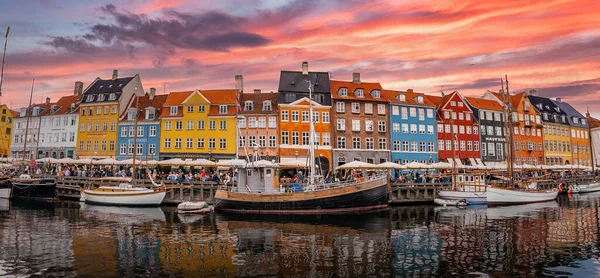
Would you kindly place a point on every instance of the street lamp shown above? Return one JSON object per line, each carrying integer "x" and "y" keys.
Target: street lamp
{"x": 210, "y": 154}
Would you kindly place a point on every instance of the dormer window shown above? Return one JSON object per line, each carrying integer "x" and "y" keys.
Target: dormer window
{"x": 101, "y": 97}
{"x": 36, "y": 111}
{"x": 100, "y": 86}
{"x": 131, "y": 114}
{"x": 267, "y": 105}
{"x": 401, "y": 97}
{"x": 359, "y": 93}
{"x": 248, "y": 106}
{"x": 110, "y": 86}
{"x": 419, "y": 99}
{"x": 343, "y": 92}
{"x": 150, "y": 113}
{"x": 547, "y": 107}
{"x": 575, "y": 120}
{"x": 564, "y": 119}
{"x": 112, "y": 96}
{"x": 174, "y": 110}
{"x": 23, "y": 112}
{"x": 557, "y": 109}
{"x": 583, "y": 121}
{"x": 525, "y": 106}
{"x": 540, "y": 106}
{"x": 222, "y": 109}
{"x": 376, "y": 94}
{"x": 89, "y": 98}
{"x": 120, "y": 85}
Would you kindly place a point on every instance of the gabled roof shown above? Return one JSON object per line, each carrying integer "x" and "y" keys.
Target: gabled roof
{"x": 351, "y": 87}
{"x": 177, "y": 98}
{"x": 571, "y": 112}
{"x": 593, "y": 122}
{"x": 486, "y": 104}
{"x": 14, "y": 113}
{"x": 410, "y": 98}
{"x": 145, "y": 102}
{"x": 45, "y": 109}
{"x": 435, "y": 100}
{"x": 303, "y": 101}
{"x": 259, "y": 99}
{"x": 295, "y": 81}
{"x": 64, "y": 104}
{"x": 226, "y": 96}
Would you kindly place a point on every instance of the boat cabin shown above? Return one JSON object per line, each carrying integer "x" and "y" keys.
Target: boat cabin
{"x": 258, "y": 179}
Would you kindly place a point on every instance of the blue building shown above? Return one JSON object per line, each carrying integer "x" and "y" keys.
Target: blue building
{"x": 413, "y": 133}
{"x": 148, "y": 128}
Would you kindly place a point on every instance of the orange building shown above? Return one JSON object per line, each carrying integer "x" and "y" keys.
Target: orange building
{"x": 526, "y": 128}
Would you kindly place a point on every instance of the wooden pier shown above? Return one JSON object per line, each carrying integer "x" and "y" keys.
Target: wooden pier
{"x": 69, "y": 188}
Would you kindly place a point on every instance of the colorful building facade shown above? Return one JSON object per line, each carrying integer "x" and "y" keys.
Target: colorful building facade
{"x": 58, "y": 128}
{"x": 257, "y": 125}
{"x": 492, "y": 130}
{"x": 25, "y": 134}
{"x": 458, "y": 132}
{"x": 6, "y": 129}
{"x": 361, "y": 122}
{"x": 413, "y": 129}
{"x": 557, "y": 138}
{"x": 102, "y": 103}
{"x": 199, "y": 124}
{"x": 146, "y": 109}
{"x": 580, "y": 139}
{"x": 294, "y": 124}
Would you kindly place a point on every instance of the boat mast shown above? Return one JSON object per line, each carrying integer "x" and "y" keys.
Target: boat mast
{"x": 311, "y": 140}
{"x": 135, "y": 117}
{"x": 27, "y": 122}
{"x": 509, "y": 133}
{"x": 590, "y": 138}
{"x": 4, "y": 56}
{"x": 452, "y": 134}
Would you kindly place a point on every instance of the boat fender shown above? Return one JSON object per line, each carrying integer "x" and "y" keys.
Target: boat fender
{"x": 560, "y": 186}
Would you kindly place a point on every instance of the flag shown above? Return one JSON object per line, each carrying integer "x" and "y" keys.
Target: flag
{"x": 239, "y": 107}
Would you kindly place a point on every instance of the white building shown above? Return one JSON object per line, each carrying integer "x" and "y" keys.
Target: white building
{"x": 28, "y": 132}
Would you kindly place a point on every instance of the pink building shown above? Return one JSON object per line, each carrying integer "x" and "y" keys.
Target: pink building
{"x": 258, "y": 125}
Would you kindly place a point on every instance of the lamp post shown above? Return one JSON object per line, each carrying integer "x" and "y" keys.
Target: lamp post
{"x": 210, "y": 154}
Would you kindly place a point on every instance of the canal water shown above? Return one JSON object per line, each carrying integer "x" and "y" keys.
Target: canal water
{"x": 68, "y": 239}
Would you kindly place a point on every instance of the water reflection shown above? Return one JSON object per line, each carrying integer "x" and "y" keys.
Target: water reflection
{"x": 69, "y": 239}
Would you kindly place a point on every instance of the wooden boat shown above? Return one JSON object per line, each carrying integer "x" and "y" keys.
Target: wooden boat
{"x": 512, "y": 196}
{"x": 254, "y": 195}
{"x": 124, "y": 195}
{"x": 26, "y": 187}
{"x": 449, "y": 202}
{"x": 194, "y": 208}
{"x": 587, "y": 188}
{"x": 470, "y": 187}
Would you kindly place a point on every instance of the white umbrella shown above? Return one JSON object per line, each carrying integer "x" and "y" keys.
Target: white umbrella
{"x": 262, "y": 163}
{"x": 416, "y": 165}
{"x": 200, "y": 162}
{"x": 150, "y": 162}
{"x": 48, "y": 160}
{"x": 106, "y": 161}
{"x": 66, "y": 160}
{"x": 293, "y": 162}
{"x": 357, "y": 165}
{"x": 389, "y": 165}
{"x": 441, "y": 165}
{"x": 82, "y": 161}
{"x": 129, "y": 162}
{"x": 172, "y": 162}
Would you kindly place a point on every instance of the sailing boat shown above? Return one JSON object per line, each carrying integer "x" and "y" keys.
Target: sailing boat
{"x": 125, "y": 194}
{"x": 259, "y": 191}
{"x": 25, "y": 186}
{"x": 509, "y": 194}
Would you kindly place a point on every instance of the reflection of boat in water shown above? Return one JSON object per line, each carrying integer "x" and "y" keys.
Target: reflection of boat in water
{"x": 190, "y": 218}
{"x": 123, "y": 214}
{"x": 451, "y": 202}
{"x": 519, "y": 210}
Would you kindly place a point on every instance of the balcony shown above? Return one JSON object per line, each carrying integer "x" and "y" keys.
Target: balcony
{"x": 528, "y": 124}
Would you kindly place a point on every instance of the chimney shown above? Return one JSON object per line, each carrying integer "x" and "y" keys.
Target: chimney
{"x": 257, "y": 91}
{"x": 409, "y": 90}
{"x": 304, "y": 68}
{"x": 78, "y": 88}
{"x": 239, "y": 83}
{"x": 47, "y": 100}
{"x": 533, "y": 93}
{"x": 356, "y": 77}
{"x": 558, "y": 99}
{"x": 115, "y": 74}
{"x": 152, "y": 93}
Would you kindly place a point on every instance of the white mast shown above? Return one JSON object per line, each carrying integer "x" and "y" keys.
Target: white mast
{"x": 311, "y": 140}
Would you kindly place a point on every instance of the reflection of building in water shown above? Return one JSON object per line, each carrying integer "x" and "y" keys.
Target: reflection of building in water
{"x": 323, "y": 247}
{"x": 574, "y": 227}
{"x": 95, "y": 250}
{"x": 137, "y": 248}
{"x": 35, "y": 244}
{"x": 416, "y": 246}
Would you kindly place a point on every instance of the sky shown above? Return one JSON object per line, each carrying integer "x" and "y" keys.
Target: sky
{"x": 429, "y": 46}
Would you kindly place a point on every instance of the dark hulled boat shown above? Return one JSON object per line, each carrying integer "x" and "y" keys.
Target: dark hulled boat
{"x": 26, "y": 187}
{"x": 258, "y": 191}
{"x": 5, "y": 187}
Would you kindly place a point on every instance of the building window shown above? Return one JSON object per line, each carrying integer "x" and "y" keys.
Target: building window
{"x": 251, "y": 122}
{"x": 113, "y": 126}
{"x": 381, "y": 126}
{"x": 341, "y": 124}
{"x": 343, "y": 92}
{"x": 356, "y": 143}
{"x": 284, "y": 138}
{"x": 295, "y": 116}
{"x": 305, "y": 139}
{"x": 262, "y": 141}
{"x": 341, "y": 142}
{"x": 152, "y": 131}
{"x": 167, "y": 143}
{"x": 315, "y": 117}
{"x": 140, "y": 149}
{"x": 396, "y": 127}
{"x": 262, "y": 122}
{"x": 123, "y": 149}
{"x": 178, "y": 142}
{"x": 223, "y": 125}
{"x": 404, "y": 113}
{"x": 382, "y": 144}
{"x": 359, "y": 93}
{"x": 369, "y": 126}
{"x": 325, "y": 138}
{"x": 272, "y": 141}
{"x": 381, "y": 109}
{"x": 131, "y": 131}
{"x": 112, "y": 146}
{"x": 248, "y": 106}
{"x": 295, "y": 138}
{"x": 272, "y": 122}
{"x": 178, "y": 125}
{"x": 305, "y": 116}
{"x": 152, "y": 149}
{"x": 355, "y": 125}
{"x": 404, "y": 128}
{"x": 189, "y": 125}
{"x": 430, "y": 129}
{"x": 174, "y": 110}
{"x": 368, "y": 108}
{"x": 267, "y": 105}
{"x": 140, "y": 131}
{"x": 212, "y": 124}
{"x": 252, "y": 141}
{"x": 355, "y": 107}
{"x": 284, "y": 115}
{"x": 201, "y": 124}
{"x": 370, "y": 143}
{"x": 222, "y": 109}
{"x": 212, "y": 143}
{"x": 168, "y": 125}
{"x": 123, "y": 132}
{"x": 201, "y": 108}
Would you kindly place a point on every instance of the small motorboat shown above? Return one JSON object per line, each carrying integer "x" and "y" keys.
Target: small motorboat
{"x": 194, "y": 208}
{"x": 449, "y": 202}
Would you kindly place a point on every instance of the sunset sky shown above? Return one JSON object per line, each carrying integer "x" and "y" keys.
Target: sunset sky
{"x": 429, "y": 46}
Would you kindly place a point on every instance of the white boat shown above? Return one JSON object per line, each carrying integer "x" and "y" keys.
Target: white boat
{"x": 574, "y": 188}
{"x": 472, "y": 197}
{"x": 448, "y": 202}
{"x": 510, "y": 196}
{"x": 124, "y": 195}
{"x": 470, "y": 187}
{"x": 587, "y": 188}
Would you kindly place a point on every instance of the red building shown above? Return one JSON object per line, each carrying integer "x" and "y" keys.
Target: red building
{"x": 454, "y": 116}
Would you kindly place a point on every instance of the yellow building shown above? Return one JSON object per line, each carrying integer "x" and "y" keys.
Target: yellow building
{"x": 557, "y": 144}
{"x": 199, "y": 124}
{"x": 580, "y": 137}
{"x": 6, "y": 128}
{"x": 102, "y": 103}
